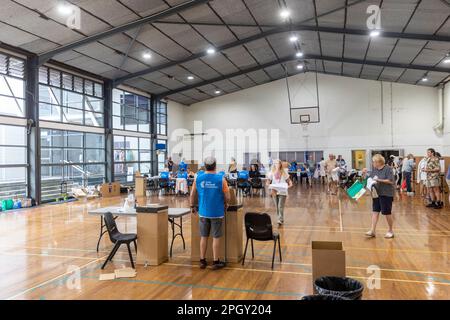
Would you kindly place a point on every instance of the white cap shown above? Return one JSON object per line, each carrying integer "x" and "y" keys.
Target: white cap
{"x": 210, "y": 161}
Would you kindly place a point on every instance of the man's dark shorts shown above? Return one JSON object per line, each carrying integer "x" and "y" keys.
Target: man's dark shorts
{"x": 383, "y": 204}
{"x": 211, "y": 226}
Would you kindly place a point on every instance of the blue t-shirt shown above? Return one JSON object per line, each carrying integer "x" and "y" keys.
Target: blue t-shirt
{"x": 210, "y": 195}
{"x": 182, "y": 166}
{"x": 244, "y": 174}
{"x": 182, "y": 175}
{"x": 164, "y": 175}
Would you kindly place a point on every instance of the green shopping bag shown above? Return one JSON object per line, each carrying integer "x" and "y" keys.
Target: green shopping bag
{"x": 357, "y": 190}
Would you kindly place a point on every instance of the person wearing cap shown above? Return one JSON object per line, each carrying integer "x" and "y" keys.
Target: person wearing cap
{"x": 212, "y": 192}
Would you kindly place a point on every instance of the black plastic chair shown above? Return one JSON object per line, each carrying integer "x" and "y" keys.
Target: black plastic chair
{"x": 258, "y": 226}
{"x": 243, "y": 185}
{"x": 118, "y": 238}
{"x": 257, "y": 184}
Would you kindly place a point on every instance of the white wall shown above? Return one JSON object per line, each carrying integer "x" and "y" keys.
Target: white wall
{"x": 350, "y": 110}
{"x": 175, "y": 119}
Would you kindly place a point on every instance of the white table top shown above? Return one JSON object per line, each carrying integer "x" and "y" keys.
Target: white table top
{"x": 118, "y": 211}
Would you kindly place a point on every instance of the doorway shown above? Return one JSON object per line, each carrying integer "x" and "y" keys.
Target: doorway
{"x": 359, "y": 159}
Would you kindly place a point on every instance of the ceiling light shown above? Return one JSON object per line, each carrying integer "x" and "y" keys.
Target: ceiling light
{"x": 293, "y": 39}
{"x": 65, "y": 9}
{"x": 299, "y": 54}
{"x": 211, "y": 51}
{"x": 300, "y": 67}
{"x": 285, "y": 13}
{"x": 424, "y": 79}
{"x": 218, "y": 92}
{"x": 374, "y": 33}
{"x": 190, "y": 77}
{"x": 146, "y": 55}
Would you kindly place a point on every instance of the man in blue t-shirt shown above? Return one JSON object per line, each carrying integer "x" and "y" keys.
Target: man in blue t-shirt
{"x": 211, "y": 190}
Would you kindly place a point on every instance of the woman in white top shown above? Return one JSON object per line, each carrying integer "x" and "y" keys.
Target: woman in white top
{"x": 422, "y": 177}
{"x": 279, "y": 182}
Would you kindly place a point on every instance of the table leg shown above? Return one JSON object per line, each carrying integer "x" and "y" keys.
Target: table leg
{"x": 172, "y": 223}
{"x": 101, "y": 232}
{"x": 181, "y": 232}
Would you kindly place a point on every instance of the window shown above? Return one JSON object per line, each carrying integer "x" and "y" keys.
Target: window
{"x": 131, "y": 154}
{"x": 131, "y": 112}
{"x": 66, "y": 98}
{"x": 161, "y": 119}
{"x": 13, "y": 161}
{"x": 12, "y": 86}
{"x": 70, "y": 158}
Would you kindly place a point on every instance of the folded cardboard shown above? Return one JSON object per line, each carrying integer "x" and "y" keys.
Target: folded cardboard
{"x": 107, "y": 276}
{"x": 328, "y": 259}
{"x": 125, "y": 273}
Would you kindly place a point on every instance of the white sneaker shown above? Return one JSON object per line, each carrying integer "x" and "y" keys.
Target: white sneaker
{"x": 389, "y": 235}
{"x": 370, "y": 234}
{"x": 411, "y": 194}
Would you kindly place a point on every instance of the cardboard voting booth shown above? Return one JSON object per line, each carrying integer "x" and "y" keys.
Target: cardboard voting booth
{"x": 140, "y": 186}
{"x": 328, "y": 259}
{"x": 110, "y": 189}
{"x": 231, "y": 244}
{"x": 152, "y": 233}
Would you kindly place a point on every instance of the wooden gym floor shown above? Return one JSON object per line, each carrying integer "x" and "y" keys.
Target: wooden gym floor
{"x": 41, "y": 247}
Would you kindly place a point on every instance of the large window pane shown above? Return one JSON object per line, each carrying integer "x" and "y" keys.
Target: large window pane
{"x": 95, "y": 155}
{"x": 49, "y": 112}
{"x": 12, "y": 106}
{"x": 13, "y": 175}
{"x": 12, "y": 135}
{"x": 13, "y": 155}
{"x": 95, "y": 141}
{"x": 76, "y": 104}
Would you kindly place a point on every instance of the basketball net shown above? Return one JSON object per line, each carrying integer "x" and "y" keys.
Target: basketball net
{"x": 304, "y": 126}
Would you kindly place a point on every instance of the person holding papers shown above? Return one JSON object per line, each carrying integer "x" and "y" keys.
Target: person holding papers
{"x": 383, "y": 187}
{"x": 279, "y": 183}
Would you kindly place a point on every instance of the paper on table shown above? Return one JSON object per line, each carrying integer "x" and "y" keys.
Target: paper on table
{"x": 107, "y": 276}
{"x": 280, "y": 187}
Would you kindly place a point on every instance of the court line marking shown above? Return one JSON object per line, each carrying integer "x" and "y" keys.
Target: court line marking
{"x": 45, "y": 255}
{"x": 259, "y": 261}
{"x": 373, "y": 249}
{"x": 349, "y": 267}
{"x": 363, "y": 228}
{"x": 288, "y": 228}
{"x": 52, "y": 279}
{"x": 309, "y": 274}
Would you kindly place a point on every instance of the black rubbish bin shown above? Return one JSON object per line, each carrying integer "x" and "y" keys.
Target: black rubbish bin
{"x": 338, "y": 286}
{"x": 323, "y": 297}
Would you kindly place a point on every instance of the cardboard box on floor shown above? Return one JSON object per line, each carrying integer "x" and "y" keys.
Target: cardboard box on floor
{"x": 328, "y": 259}
{"x": 110, "y": 189}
